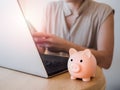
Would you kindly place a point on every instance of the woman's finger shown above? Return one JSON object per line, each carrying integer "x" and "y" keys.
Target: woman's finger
{"x": 43, "y": 40}
{"x": 40, "y": 35}
{"x": 45, "y": 45}
{"x": 41, "y": 49}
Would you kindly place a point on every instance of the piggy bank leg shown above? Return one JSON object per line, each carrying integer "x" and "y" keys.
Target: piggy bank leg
{"x": 86, "y": 79}
{"x": 73, "y": 77}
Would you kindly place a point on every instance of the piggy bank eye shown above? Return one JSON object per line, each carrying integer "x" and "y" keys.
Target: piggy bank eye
{"x": 71, "y": 60}
{"x": 81, "y": 61}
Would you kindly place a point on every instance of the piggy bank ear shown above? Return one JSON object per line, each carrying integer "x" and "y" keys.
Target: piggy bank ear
{"x": 72, "y": 51}
{"x": 87, "y": 53}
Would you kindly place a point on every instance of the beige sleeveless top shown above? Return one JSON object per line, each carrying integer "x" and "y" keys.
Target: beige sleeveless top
{"x": 85, "y": 29}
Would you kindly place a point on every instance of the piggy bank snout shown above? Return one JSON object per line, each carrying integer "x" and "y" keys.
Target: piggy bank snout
{"x": 75, "y": 68}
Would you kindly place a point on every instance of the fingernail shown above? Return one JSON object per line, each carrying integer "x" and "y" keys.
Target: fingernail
{"x": 35, "y": 39}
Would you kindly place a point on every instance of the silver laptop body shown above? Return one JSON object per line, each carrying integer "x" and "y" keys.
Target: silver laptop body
{"x": 17, "y": 48}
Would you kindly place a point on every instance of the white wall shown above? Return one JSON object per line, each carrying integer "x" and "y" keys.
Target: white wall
{"x": 113, "y": 74}
{"x": 33, "y": 10}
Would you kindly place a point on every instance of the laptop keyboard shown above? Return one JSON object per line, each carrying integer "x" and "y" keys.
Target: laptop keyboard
{"x": 54, "y": 64}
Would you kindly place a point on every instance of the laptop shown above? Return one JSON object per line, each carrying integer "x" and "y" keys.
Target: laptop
{"x": 17, "y": 47}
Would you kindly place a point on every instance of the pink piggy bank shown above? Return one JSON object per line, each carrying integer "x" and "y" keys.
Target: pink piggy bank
{"x": 82, "y": 64}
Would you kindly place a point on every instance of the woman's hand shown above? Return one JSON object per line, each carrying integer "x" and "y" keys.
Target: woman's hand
{"x": 50, "y": 41}
{"x": 33, "y": 30}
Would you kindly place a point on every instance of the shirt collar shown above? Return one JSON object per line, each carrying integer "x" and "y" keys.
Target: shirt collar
{"x": 68, "y": 12}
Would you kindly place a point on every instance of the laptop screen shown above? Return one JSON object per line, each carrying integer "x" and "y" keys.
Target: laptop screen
{"x": 53, "y": 64}
{"x": 17, "y": 48}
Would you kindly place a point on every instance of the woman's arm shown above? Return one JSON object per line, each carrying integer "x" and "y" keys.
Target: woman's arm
{"x": 105, "y": 43}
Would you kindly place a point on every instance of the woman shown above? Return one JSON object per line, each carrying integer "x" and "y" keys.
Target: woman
{"x": 78, "y": 24}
